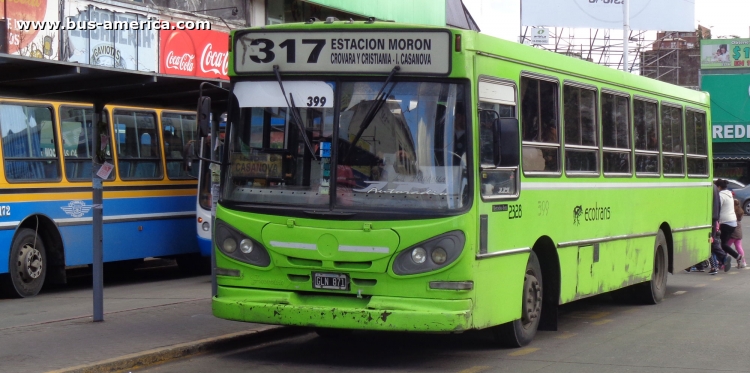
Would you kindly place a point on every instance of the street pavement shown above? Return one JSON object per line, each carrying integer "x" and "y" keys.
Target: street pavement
{"x": 155, "y": 315}
{"x": 700, "y": 326}
{"x": 152, "y": 310}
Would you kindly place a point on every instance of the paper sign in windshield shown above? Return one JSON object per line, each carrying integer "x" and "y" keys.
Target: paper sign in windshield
{"x": 259, "y": 165}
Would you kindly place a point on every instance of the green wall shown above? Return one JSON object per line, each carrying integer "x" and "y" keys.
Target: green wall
{"x": 426, "y": 12}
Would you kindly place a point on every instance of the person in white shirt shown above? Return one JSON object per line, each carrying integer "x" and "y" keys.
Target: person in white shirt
{"x": 727, "y": 222}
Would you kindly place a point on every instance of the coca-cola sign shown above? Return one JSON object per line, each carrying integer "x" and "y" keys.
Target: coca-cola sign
{"x": 214, "y": 62}
{"x": 182, "y": 63}
{"x": 200, "y": 53}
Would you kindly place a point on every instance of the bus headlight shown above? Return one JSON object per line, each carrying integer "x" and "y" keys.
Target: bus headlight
{"x": 418, "y": 255}
{"x": 246, "y": 246}
{"x": 435, "y": 253}
{"x": 439, "y": 256}
{"x": 206, "y": 226}
{"x": 250, "y": 251}
{"x": 229, "y": 245}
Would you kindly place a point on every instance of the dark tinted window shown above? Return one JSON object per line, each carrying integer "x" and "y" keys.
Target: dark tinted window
{"x": 539, "y": 123}
{"x": 696, "y": 139}
{"x": 616, "y": 133}
{"x": 671, "y": 140}
{"x": 645, "y": 120}
{"x": 581, "y": 148}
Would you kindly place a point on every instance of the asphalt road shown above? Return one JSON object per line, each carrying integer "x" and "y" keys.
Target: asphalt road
{"x": 700, "y": 326}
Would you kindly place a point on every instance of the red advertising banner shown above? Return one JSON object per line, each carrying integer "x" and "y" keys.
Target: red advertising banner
{"x": 31, "y": 42}
{"x": 200, "y": 53}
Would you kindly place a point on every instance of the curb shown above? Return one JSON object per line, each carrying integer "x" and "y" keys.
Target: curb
{"x": 143, "y": 359}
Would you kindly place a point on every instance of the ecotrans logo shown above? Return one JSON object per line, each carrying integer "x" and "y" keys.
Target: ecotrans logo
{"x": 591, "y": 213}
{"x": 577, "y": 211}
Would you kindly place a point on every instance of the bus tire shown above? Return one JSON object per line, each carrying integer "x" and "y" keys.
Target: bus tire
{"x": 521, "y": 332}
{"x": 652, "y": 292}
{"x": 27, "y": 265}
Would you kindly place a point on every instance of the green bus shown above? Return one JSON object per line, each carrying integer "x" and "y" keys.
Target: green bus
{"x": 382, "y": 176}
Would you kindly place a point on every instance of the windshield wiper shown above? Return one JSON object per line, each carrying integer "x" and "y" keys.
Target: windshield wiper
{"x": 295, "y": 112}
{"x": 380, "y": 99}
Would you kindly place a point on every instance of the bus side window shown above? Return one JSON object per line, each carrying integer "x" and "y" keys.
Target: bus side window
{"x": 616, "y": 134}
{"x": 29, "y": 148}
{"x": 497, "y": 100}
{"x": 76, "y": 128}
{"x": 539, "y": 124}
{"x": 645, "y": 117}
{"x": 696, "y": 139}
{"x": 177, "y": 130}
{"x": 581, "y": 140}
{"x": 671, "y": 140}
{"x": 137, "y": 145}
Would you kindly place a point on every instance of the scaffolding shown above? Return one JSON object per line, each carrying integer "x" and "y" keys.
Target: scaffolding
{"x": 601, "y": 46}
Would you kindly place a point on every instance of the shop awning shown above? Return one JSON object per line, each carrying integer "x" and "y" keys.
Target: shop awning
{"x": 41, "y": 79}
{"x": 732, "y": 151}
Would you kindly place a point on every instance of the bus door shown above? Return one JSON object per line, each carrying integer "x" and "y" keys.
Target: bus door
{"x": 499, "y": 210}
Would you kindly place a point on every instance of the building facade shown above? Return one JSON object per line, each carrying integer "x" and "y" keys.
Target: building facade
{"x": 725, "y": 74}
{"x": 192, "y": 51}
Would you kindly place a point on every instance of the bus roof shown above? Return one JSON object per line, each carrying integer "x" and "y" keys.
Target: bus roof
{"x": 554, "y": 63}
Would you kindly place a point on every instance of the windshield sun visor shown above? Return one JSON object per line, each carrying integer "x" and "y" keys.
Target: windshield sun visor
{"x": 268, "y": 94}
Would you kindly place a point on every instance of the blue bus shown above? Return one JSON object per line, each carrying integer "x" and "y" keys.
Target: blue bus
{"x": 45, "y": 176}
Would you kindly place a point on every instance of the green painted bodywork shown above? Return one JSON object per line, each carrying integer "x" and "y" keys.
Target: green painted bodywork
{"x": 379, "y": 299}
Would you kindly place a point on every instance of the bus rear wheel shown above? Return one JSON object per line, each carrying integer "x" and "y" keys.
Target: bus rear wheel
{"x": 27, "y": 267}
{"x": 652, "y": 292}
{"x": 521, "y": 332}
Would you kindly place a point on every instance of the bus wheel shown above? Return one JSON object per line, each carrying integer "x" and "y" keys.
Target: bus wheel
{"x": 28, "y": 265}
{"x": 520, "y": 332}
{"x": 652, "y": 292}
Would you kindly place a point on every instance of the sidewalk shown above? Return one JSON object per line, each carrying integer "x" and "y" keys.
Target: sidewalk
{"x": 146, "y": 320}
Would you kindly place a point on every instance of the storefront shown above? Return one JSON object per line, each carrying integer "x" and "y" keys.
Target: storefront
{"x": 725, "y": 75}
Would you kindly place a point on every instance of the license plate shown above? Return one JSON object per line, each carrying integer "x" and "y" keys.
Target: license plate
{"x": 330, "y": 281}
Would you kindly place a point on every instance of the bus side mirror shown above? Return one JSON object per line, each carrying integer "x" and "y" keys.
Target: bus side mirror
{"x": 204, "y": 116}
{"x": 506, "y": 142}
{"x": 189, "y": 154}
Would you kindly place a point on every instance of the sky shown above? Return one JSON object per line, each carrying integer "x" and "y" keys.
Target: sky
{"x": 501, "y": 18}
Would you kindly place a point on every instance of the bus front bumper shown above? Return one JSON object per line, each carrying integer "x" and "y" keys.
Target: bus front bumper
{"x": 334, "y": 311}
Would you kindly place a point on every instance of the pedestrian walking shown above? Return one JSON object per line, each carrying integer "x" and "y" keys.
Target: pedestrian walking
{"x": 727, "y": 223}
{"x": 736, "y": 238}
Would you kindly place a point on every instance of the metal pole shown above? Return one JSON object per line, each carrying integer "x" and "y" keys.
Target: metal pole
{"x": 5, "y": 33}
{"x": 520, "y": 23}
{"x": 213, "y": 151}
{"x": 625, "y": 33}
{"x": 98, "y": 190}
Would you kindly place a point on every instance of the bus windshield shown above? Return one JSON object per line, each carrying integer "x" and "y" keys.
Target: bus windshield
{"x": 410, "y": 155}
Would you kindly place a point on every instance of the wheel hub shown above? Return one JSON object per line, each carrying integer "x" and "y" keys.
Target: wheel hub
{"x": 532, "y": 299}
{"x": 29, "y": 263}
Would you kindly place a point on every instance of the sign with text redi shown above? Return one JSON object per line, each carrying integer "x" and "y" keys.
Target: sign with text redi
{"x": 202, "y": 53}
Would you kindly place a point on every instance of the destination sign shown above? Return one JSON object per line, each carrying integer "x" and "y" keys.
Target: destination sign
{"x": 259, "y": 165}
{"x": 339, "y": 51}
